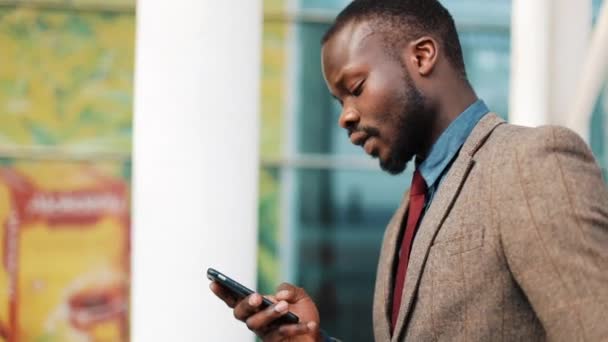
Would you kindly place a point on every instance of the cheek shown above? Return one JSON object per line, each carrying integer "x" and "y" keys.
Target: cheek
{"x": 380, "y": 101}
{"x": 387, "y": 141}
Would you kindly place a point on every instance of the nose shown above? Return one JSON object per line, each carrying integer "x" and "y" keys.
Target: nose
{"x": 349, "y": 118}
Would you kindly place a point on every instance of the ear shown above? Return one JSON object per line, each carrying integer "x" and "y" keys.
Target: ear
{"x": 423, "y": 54}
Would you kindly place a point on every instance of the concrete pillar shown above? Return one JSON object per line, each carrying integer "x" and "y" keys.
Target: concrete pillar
{"x": 547, "y": 40}
{"x": 195, "y": 164}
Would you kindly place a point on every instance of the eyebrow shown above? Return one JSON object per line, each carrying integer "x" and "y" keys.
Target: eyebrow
{"x": 340, "y": 79}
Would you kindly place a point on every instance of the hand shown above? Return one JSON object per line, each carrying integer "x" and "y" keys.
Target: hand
{"x": 260, "y": 321}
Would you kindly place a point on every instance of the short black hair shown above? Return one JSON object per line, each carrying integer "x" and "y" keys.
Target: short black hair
{"x": 404, "y": 21}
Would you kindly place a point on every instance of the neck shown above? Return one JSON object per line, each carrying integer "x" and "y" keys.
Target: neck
{"x": 455, "y": 98}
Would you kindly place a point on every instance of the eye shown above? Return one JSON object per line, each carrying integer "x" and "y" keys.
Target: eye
{"x": 358, "y": 89}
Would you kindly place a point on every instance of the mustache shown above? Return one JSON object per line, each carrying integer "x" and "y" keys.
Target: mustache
{"x": 369, "y": 131}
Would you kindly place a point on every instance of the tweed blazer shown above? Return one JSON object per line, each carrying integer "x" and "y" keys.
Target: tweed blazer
{"x": 514, "y": 246}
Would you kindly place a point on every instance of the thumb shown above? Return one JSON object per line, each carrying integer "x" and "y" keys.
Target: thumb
{"x": 290, "y": 293}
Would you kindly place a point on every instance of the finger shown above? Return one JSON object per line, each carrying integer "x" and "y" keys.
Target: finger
{"x": 287, "y": 292}
{"x": 263, "y": 320}
{"x": 291, "y": 330}
{"x": 247, "y": 307}
{"x": 290, "y": 293}
{"x": 271, "y": 298}
{"x": 223, "y": 294}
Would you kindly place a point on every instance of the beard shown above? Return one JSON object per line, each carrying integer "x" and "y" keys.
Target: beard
{"x": 413, "y": 125}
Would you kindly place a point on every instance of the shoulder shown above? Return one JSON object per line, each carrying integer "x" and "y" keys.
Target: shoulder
{"x": 528, "y": 142}
{"x": 535, "y": 144}
{"x": 540, "y": 154}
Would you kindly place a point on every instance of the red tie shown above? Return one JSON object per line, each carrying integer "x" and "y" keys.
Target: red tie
{"x": 417, "y": 198}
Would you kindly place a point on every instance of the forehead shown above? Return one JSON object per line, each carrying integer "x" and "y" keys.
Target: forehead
{"x": 353, "y": 42}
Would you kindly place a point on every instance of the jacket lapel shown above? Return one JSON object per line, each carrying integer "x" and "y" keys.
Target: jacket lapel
{"x": 437, "y": 213}
{"x": 384, "y": 281}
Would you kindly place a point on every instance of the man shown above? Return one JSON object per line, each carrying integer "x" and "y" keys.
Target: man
{"x": 504, "y": 233}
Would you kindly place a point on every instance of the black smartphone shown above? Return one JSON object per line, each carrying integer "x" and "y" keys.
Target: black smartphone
{"x": 240, "y": 291}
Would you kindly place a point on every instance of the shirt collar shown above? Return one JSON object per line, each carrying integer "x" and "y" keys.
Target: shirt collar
{"x": 450, "y": 142}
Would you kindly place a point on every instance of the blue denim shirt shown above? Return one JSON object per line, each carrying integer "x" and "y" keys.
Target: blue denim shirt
{"x": 445, "y": 149}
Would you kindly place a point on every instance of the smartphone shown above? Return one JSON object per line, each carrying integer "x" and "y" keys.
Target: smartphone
{"x": 240, "y": 291}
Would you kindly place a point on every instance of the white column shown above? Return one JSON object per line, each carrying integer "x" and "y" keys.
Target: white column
{"x": 572, "y": 23}
{"x": 530, "y": 48}
{"x": 195, "y": 164}
{"x": 547, "y": 38}
{"x": 593, "y": 76}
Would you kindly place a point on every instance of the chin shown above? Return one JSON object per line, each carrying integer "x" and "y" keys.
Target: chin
{"x": 393, "y": 166}
{"x": 395, "y": 161}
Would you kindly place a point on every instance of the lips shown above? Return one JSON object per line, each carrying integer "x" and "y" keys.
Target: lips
{"x": 368, "y": 146}
{"x": 358, "y": 138}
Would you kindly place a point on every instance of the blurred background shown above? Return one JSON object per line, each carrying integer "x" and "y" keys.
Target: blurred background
{"x": 237, "y": 161}
{"x": 66, "y": 104}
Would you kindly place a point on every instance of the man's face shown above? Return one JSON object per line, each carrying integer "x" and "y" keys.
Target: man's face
{"x": 382, "y": 110}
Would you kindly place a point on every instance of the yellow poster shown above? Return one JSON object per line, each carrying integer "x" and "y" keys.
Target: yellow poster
{"x": 66, "y": 83}
{"x": 65, "y": 251}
